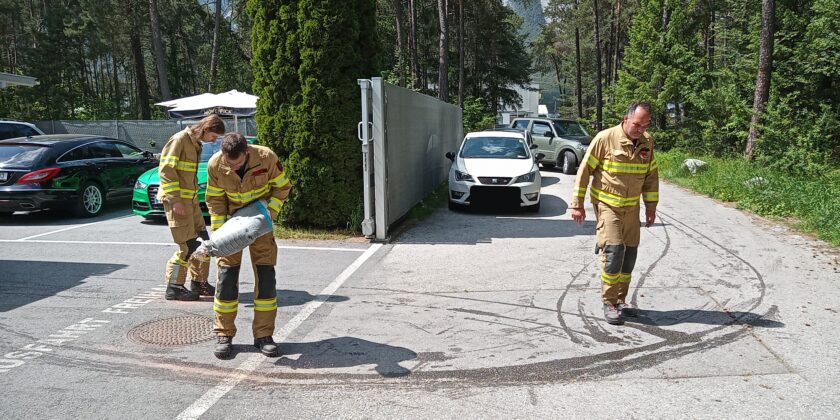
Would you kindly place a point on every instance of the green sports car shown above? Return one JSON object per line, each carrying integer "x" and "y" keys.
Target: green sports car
{"x": 145, "y": 202}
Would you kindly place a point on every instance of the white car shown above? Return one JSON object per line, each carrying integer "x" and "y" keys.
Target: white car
{"x": 495, "y": 167}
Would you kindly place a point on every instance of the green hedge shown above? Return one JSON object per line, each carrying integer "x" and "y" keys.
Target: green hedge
{"x": 308, "y": 55}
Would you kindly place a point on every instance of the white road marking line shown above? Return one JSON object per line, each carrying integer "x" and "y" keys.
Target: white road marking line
{"x": 203, "y": 403}
{"x": 44, "y": 241}
{"x": 60, "y": 230}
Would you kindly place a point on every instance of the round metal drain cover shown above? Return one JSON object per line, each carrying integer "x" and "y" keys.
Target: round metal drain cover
{"x": 178, "y": 331}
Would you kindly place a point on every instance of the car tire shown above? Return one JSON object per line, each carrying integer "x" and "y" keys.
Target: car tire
{"x": 569, "y": 162}
{"x": 91, "y": 200}
{"x": 534, "y": 208}
{"x": 453, "y": 206}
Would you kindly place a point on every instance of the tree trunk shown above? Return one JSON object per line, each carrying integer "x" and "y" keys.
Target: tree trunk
{"x": 412, "y": 41}
{"x": 157, "y": 48}
{"x": 710, "y": 43}
{"x": 443, "y": 54}
{"x": 117, "y": 99}
{"x": 142, "y": 85}
{"x": 214, "y": 57}
{"x": 578, "y": 83}
{"x": 765, "y": 70}
{"x": 461, "y": 53}
{"x": 617, "y": 42}
{"x": 398, "y": 16}
{"x": 598, "y": 97}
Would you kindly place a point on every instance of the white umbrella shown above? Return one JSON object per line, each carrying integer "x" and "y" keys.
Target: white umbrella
{"x": 233, "y": 103}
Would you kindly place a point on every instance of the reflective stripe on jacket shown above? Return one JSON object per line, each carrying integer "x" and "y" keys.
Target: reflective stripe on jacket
{"x": 621, "y": 172}
{"x": 178, "y": 166}
{"x": 264, "y": 178}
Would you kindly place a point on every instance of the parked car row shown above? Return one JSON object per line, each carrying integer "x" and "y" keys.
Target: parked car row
{"x": 77, "y": 173}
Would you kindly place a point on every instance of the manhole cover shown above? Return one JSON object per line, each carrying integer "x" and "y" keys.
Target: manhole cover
{"x": 178, "y": 331}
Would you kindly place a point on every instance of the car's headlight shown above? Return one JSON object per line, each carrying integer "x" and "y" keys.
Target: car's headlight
{"x": 202, "y": 186}
{"x": 580, "y": 146}
{"x": 463, "y": 176}
{"x": 526, "y": 178}
{"x": 140, "y": 185}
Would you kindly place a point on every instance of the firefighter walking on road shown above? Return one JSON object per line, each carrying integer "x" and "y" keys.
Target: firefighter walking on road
{"x": 237, "y": 175}
{"x": 623, "y": 169}
{"x": 179, "y": 194}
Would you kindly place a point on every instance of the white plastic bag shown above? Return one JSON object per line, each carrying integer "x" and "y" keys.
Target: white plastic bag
{"x": 242, "y": 229}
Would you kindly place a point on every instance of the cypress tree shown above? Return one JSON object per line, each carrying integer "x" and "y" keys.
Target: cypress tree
{"x": 307, "y": 57}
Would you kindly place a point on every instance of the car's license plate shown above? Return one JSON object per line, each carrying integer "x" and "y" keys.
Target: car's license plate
{"x": 4, "y": 176}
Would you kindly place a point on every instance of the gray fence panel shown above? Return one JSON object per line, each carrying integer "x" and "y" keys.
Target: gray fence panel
{"x": 146, "y": 134}
{"x": 411, "y": 136}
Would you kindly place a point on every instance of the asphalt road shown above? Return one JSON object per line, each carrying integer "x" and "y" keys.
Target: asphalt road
{"x": 482, "y": 314}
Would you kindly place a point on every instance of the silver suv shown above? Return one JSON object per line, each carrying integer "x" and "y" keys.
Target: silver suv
{"x": 563, "y": 142}
{"x": 11, "y": 129}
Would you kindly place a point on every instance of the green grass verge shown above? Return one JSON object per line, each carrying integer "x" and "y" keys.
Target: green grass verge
{"x": 808, "y": 204}
{"x": 431, "y": 203}
{"x": 422, "y": 210}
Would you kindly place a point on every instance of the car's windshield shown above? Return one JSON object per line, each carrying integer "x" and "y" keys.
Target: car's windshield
{"x": 20, "y": 155}
{"x": 495, "y": 147}
{"x": 208, "y": 149}
{"x": 569, "y": 128}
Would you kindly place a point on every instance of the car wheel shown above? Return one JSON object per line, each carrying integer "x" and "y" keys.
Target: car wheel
{"x": 535, "y": 208}
{"x": 453, "y": 206}
{"x": 569, "y": 163}
{"x": 91, "y": 200}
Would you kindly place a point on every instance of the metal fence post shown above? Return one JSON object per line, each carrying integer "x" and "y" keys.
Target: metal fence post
{"x": 364, "y": 136}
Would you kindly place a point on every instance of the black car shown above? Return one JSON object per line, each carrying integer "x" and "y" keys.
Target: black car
{"x": 79, "y": 173}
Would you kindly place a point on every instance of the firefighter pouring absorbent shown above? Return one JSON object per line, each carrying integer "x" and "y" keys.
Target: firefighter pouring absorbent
{"x": 623, "y": 169}
{"x": 179, "y": 194}
{"x": 238, "y": 175}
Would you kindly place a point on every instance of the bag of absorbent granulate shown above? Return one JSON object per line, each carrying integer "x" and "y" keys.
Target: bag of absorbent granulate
{"x": 242, "y": 229}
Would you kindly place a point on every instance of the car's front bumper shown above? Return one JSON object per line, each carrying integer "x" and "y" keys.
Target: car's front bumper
{"x": 468, "y": 193}
{"x": 142, "y": 205}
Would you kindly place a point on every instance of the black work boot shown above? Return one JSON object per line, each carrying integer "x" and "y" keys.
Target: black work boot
{"x": 203, "y": 288}
{"x": 628, "y": 310}
{"x": 179, "y": 292}
{"x": 612, "y": 314}
{"x": 266, "y": 346}
{"x": 224, "y": 347}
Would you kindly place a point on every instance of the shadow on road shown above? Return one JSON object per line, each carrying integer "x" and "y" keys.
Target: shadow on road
{"x": 485, "y": 223}
{"x": 287, "y": 297}
{"x": 62, "y": 218}
{"x": 346, "y": 352}
{"x": 697, "y": 316}
{"x": 25, "y": 282}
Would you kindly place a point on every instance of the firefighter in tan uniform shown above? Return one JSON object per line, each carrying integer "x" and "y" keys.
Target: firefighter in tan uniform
{"x": 237, "y": 175}
{"x": 179, "y": 194}
{"x": 623, "y": 169}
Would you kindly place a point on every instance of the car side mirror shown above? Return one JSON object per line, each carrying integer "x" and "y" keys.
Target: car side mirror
{"x": 450, "y": 156}
{"x": 549, "y": 135}
{"x": 539, "y": 157}
{"x": 534, "y": 146}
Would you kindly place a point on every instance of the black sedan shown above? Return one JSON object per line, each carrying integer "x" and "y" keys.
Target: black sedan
{"x": 73, "y": 172}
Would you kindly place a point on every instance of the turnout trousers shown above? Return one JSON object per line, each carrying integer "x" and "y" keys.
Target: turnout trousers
{"x": 185, "y": 231}
{"x": 617, "y": 232}
{"x": 226, "y": 303}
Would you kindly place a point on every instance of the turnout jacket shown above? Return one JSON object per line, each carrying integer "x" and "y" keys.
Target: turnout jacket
{"x": 178, "y": 166}
{"x": 621, "y": 172}
{"x": 263, "y": 177}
